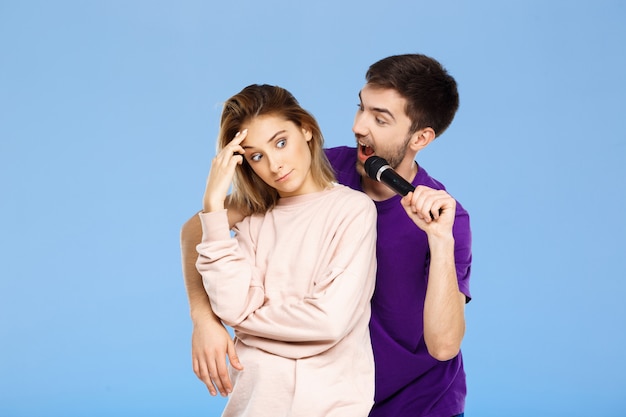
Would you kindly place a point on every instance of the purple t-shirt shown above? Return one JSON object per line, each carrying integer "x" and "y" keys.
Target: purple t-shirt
{"x": 409, "y": 382}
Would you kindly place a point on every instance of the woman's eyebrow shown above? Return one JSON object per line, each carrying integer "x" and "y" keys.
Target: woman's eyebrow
{"x": 269, "y": 140}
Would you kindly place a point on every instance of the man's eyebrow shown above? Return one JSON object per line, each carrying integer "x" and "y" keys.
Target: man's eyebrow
{"x": 270, "y": 139}
{"x": 378, "y": 109}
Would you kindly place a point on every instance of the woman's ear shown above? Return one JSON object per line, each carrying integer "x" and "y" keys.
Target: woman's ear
{"x": 422, "y": 138}
{"x": 308, "y": 133}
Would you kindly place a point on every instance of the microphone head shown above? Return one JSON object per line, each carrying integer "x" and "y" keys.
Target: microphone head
{"x": 373, "y": 164}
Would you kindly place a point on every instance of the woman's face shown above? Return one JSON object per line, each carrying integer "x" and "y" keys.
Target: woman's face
{"x": 278, "y": 152}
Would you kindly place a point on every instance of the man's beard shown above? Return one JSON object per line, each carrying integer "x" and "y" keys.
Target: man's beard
{"x": 396, "y": 156}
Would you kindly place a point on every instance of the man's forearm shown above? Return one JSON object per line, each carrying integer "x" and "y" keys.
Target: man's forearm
{"x": 190, "y": 236}
{"x": 199, "y": 305}
{"x": 444, "y": 307}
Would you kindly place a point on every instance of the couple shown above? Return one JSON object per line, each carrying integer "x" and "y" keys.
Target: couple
{"x": 423, "y": 265}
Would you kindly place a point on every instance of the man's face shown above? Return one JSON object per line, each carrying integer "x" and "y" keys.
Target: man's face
{"x": 381, "y": 126}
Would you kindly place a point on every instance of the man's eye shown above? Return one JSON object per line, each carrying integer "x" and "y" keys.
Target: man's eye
{"x": 360, "y": 106}
{"x": 281, "y": 143}
{"x": 380, "y": 121}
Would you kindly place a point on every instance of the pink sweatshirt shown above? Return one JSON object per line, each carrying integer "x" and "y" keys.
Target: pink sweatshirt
{"x": 295, "y": 284}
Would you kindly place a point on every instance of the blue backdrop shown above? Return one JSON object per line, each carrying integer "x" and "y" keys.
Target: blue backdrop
{"x": 108, "y": 115}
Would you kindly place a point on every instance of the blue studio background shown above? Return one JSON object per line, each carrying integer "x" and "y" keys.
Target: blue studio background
{"x": 108, "y": 115}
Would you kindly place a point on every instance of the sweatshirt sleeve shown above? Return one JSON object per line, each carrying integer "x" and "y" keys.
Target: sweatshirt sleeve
{"x": 340, "y": 299}
{"x": 232, "y": 284}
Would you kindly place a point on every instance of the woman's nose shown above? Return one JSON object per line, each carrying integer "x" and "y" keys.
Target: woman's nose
{"x": 274, "y": 163}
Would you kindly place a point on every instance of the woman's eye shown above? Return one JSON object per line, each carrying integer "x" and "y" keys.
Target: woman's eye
{"x": 281, "y": 143}
{"x": 256, "y": 157}
{"x": 380, "y": 121}
{"x": 360, "y": 106}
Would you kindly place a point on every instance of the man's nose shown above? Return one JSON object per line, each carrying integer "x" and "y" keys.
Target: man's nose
{"x": 359, "y": 127}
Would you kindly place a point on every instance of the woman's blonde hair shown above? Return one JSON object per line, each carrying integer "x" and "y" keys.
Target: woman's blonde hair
{"x": 249, "y": 193}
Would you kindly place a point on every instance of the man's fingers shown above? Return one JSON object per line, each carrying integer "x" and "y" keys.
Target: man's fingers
{"x": 428, "y": 204}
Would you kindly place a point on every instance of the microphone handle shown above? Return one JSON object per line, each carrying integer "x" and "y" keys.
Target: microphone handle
{"x": 394, "y": 181}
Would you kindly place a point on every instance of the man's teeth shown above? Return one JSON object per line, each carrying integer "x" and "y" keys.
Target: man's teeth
{"x": 366, "y": 150}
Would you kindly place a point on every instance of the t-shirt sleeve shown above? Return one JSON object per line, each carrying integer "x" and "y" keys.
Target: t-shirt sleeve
{"x": 463, "y": 250}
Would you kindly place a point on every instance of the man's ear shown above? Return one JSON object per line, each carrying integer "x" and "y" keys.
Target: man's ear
{"x": 422, "y": 138}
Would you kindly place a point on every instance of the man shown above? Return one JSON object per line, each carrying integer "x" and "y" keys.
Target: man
{"x": 423, "y": 249}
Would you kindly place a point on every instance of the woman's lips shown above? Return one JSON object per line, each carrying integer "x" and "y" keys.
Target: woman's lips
{"x": 284, "y": 177}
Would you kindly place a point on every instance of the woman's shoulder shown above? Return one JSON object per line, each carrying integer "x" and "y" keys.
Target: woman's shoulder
{"x": 352, "y": 197}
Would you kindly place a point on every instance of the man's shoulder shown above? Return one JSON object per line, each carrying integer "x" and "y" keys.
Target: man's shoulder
{"x": 339, "y": 154}
{"x": 423, "y": 178}
{"x": 343, "y": 160}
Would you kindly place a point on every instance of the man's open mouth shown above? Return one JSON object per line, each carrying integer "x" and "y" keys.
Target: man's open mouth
{"x": 366, "y": 150}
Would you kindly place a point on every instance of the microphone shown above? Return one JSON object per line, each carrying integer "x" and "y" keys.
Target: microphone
{"x": 378, "y": 169}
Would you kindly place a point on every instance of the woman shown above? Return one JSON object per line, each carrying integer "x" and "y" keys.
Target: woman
{"x": 295, "y": 281}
